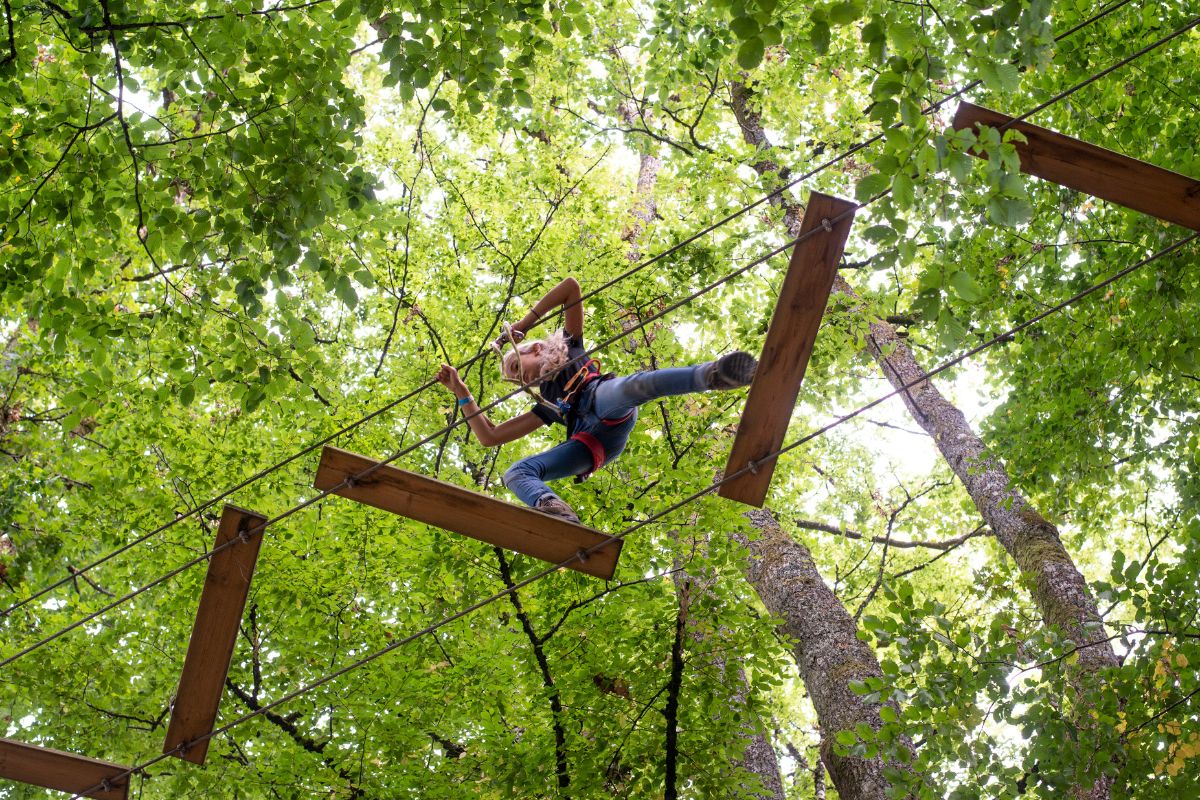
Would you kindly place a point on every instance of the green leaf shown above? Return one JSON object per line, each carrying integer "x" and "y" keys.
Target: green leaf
{"x": 951, "y": 332}
{"x": 845, "y": 12}
{"x": 744, "y": 27}
{"x": 818, "y": 37}
{"x": 846, "y": 737}
{"x": 870, "y": 186}
{"x": 960, "y": 165}
{"x": 345, "y": 291}
{"x": 903, "y": 190}
{"x": 1000, "y": 77}
{"x": 965, "y": 286}
{"x": 904, "y": 37}
{"x": 882, "y": 234}
{"x": 1009, "y": 77}
{"x": 750, "y": 54}
{"x": 1011, "y": 211}
{"x": 874, "y": 30}
{"x": 884, "y": 111}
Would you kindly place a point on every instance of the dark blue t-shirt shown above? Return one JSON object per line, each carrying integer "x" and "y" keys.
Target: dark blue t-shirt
{"x": 554, "y": 389}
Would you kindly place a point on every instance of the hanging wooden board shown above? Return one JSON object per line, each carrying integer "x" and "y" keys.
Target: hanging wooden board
{"x": 472, "y": 514}
{"x": 64, "y": 772}
{"x": 788, "y": 347}
{"x": 1093, "y": 170}
{"x": 214, "y": 634}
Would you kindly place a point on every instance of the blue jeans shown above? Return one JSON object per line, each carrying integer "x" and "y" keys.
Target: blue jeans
{"x": 605, "y": 416}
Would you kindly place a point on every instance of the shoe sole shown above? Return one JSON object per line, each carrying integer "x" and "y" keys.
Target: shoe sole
{"x": 737, "y": 368}
{"x": 572, "y": 518}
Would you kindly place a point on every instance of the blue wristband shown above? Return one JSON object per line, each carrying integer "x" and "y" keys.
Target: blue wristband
{"x": 462, "y": 401}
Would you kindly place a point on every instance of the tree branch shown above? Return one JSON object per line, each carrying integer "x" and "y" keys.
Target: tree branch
{"x": 947, "y": 544}
{"x": 671, "y": 711}
{"x": 288, "y": 726}
{"x": 134, "y": 26}
{"x": 12, "y": 38}
{"x": 556, "y": 709}
{"x": 79, "y": 131}
{"x": 75, "y": 573}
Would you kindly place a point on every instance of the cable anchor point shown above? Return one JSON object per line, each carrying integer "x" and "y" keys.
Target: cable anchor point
{"x": 827, "y": 225}
{"x": 582, "y": 555}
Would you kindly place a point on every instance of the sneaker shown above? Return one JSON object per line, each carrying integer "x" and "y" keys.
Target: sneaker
{"x": 556, "y": 508}
{"x": 731, "y": 371}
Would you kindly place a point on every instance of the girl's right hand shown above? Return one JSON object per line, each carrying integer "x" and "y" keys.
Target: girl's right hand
{"x": 516, "y": 336}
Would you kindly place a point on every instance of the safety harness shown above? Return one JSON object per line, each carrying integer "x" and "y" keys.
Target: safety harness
{"x": 565, "y": 404}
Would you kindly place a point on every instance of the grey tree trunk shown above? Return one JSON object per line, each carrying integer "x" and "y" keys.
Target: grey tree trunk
{"x": 1060, "y": 591}
{"x": 827, "y": 651}
{"x": 645, "y": 207}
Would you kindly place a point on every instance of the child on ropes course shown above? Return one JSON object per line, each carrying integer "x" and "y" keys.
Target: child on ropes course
{"x": 598, "y": 410}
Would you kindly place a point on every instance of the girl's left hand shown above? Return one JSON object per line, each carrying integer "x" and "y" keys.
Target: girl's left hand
{"x": 448, "y": 377}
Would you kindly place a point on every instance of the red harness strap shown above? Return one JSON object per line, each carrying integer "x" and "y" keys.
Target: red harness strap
{"x": 594, "y": 447}
{"x": 612, "y": 422}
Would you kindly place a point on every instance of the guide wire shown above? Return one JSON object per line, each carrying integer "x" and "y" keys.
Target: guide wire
{"x": 583, "y": 554}
{"x": 428, "y": 629}
{"x": 478, "y": 356}
{"x": 349, "y": 480}
{"x": 1107, "y": 70}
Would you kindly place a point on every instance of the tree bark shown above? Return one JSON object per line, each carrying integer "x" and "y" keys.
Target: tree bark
{"x": 827, "y": 651}
{"x": 644, "y": 207}
{"x": 1060, "y": 591}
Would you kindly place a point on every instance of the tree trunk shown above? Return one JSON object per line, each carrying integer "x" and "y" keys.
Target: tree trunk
{"x": 1060, "y": 591}
{"x": 644, "y": 207}
{"x": 827, "y": 651}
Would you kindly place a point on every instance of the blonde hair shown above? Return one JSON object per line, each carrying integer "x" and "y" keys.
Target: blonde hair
{"x": 554, "y": 357}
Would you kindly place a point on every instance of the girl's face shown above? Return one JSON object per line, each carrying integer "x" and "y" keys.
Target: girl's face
{"x": 531, "y": 363}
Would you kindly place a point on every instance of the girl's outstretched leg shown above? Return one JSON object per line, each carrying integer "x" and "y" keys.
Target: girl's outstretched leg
{"x": 619, "y": 396}
{"x": 527, "y": 478}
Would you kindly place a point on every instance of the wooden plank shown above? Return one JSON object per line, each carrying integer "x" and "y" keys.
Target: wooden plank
{"x": 1101, "y": 173}
{"x": 472, "y": 514}
{"x": 214, "y": 634}
{"x": 64, "y": 772}
{"x": 788, "y": 347}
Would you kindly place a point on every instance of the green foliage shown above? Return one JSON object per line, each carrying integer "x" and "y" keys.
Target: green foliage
{"x": 287, "y": 224}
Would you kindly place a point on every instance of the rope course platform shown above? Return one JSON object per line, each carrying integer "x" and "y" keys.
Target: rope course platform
{"x": 64, "y": 772}
{"x": 214, "y": 634}
{"x": 788, "y": 346}
{"x": 462, "y": 511}
{"x": 1094, "y": 170}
